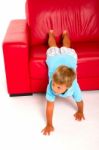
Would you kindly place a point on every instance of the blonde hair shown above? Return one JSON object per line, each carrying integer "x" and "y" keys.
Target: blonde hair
{"x": 64, "y": 75}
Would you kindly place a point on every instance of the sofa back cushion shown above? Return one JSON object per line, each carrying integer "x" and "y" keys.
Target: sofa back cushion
{"x": 79, "y": 17}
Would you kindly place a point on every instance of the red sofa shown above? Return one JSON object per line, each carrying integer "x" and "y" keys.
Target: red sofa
{"x": 25, "y": 43}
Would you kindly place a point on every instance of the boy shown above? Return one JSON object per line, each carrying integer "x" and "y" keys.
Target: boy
{"x": 62, "y": 78}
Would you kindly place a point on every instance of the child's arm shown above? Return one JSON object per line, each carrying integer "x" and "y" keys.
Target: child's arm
{"x": 49, "y": 115}
{"x": 79, "y": 114}
{"x": 50, "y": 97}
{"x": 77, "y": 95}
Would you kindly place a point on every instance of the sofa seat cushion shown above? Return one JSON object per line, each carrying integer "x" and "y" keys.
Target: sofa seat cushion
{"x": 88, "y": 60}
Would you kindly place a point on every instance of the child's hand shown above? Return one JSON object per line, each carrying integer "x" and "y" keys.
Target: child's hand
{"x": 79, "y": 116}
{"x": 47, "y": 130}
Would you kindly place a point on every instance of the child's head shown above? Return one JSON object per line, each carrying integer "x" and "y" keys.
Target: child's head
{"x": 62, "y": 79}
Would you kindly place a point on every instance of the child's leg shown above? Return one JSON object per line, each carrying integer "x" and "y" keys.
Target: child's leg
{"x": 51, "y": 39}
{"x": 66, "y": 39}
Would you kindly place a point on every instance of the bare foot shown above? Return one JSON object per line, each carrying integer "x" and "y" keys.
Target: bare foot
{"x": 64, "y": 33}
{"x": 65, "y": 39}
{"x": 51, "y": 33}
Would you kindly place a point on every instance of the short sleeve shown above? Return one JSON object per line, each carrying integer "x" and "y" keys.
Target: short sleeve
{"x": 50, "y": 61}
{"x": 77, "y": 94}
{"x": 49, "y": 94}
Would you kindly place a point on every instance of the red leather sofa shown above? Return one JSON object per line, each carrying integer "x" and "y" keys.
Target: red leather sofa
{"x": 25, "y": 43}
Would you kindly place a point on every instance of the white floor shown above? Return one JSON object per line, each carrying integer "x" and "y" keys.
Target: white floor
{"x": 22, "y": 119}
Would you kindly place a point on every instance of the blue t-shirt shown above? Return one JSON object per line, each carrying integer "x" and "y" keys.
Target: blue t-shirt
{"x": 55, "y": 61}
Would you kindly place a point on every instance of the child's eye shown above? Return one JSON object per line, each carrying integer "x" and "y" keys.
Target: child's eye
{"x": 59, "y": 87}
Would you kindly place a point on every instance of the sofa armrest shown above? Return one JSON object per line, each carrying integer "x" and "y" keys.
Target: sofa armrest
{"x": 16, "y": 57}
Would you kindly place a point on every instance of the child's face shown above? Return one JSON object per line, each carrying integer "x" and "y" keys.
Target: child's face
{"x": 58, "y": 88}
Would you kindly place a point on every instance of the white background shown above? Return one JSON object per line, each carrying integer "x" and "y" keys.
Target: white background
{"x": 22, "y": 118}
{"x": 9, "y": 9}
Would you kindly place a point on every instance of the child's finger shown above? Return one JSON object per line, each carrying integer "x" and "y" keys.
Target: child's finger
{"x": 45, "y": 133}
{"x": 83, "y": 117}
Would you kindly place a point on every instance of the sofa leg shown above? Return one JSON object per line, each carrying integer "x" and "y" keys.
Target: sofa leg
{"x": 24, "y": 94}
